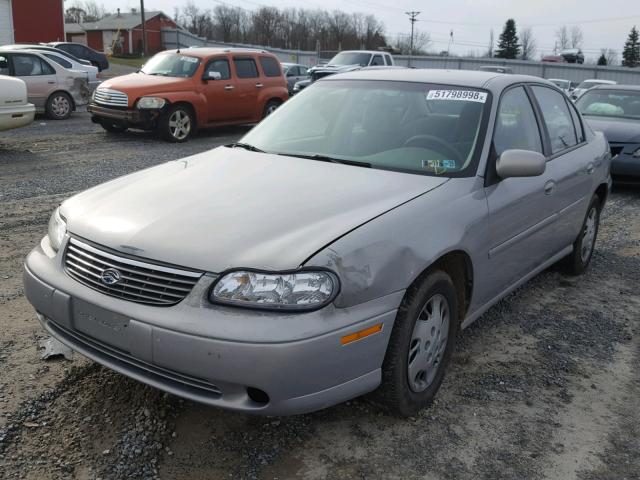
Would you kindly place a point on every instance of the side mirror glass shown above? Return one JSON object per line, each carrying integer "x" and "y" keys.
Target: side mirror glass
{"x": 520, "y": 163}
{"x": 212, "y": 76}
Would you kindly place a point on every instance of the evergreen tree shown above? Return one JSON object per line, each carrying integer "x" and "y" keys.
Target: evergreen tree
{"x": 631, "y": 51}
{"x": 508, "y": 46}
{"x": 602, "y": 60}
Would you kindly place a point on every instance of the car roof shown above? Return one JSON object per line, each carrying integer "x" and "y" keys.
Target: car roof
{"x": 558, "y": 79}
{"x": 204, "y": 52}
{"x": 465, "y": 78}
{"x": 633, "y": 88}
{"x": 600, "y": 80}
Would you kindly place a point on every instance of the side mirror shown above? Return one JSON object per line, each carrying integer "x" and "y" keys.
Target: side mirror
{"x": 520, "y": 163}
{"x": 212, "y": 76}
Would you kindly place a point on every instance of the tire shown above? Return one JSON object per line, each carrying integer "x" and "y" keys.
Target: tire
{"x": 113, "y": 128}
{"x": 270, "y": 107}
{"x": 417, "y": 341}
{"x": 177, "y": 124}
{"x": 577, "y": 261}
{"x": 59, "y": 106}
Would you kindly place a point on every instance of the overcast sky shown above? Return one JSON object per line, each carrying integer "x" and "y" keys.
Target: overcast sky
{"x": 605, "y": 23}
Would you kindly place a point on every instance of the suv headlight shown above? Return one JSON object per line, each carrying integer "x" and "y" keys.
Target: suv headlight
{"x": 296, "y": 290}
{"x": 57, "y": 229}
{"x": 151, "y": 102}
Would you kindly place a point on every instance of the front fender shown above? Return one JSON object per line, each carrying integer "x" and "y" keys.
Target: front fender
{"x": 195, "y": 99}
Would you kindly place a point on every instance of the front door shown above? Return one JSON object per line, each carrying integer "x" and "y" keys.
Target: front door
{"x": 521, "y": 213}
{"x": 221, "y": 94}
{"x": 40, "y": 78}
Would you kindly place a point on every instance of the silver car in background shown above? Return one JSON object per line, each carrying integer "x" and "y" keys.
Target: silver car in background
{"x": 54, "y": 90}
{"x": 325, "y": 257}
{"x": 294, "y": 73}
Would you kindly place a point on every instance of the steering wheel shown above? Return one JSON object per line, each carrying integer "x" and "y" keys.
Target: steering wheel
{"x": 432, "y": 143}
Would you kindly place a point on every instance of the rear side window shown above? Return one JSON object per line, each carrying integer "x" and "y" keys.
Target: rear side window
{"x": 58, "y": 60}
{"x": 30, "y": 66}
{"x": 220, "y": 65}
{"x": 246, "y": 68}
{"x": 576, "y": 123}
{"x": 516, "y": 126}
{"x": 557, "y": 118}
{"x": 271, "y": 67}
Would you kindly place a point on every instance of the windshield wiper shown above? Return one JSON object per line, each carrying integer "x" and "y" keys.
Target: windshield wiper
{"x": 159, "y": 74}
{"x": 326, "y": 158}
{"x": 246, "y": 146}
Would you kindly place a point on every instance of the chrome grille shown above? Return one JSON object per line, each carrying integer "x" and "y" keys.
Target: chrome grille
{"x": 106, "y": 96}
{"x": 138, "y": 281}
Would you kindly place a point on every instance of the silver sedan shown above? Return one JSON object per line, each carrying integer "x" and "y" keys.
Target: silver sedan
{"x": 337, "y": 250}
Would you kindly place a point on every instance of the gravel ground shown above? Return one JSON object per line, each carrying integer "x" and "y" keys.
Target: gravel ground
{"x": 543, "y": 386}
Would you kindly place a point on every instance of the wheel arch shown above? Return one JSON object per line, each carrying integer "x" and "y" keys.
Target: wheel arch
{"x": 603, "y": 193}
{"x": 191, "y": 107}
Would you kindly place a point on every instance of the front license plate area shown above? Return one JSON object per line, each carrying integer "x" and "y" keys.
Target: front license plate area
{"x": 103, "y": 325}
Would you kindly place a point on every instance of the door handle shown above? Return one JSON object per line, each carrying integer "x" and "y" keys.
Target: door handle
{"x": 259, "y": 85}
{"x": 549, "y": 187}
{"x": 228, "y": 87}
{"x": 590, "y": 169}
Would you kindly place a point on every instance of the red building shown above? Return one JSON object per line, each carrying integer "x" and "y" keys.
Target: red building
{"x": 121, "y": 32}
{"x": 31, "y": 21}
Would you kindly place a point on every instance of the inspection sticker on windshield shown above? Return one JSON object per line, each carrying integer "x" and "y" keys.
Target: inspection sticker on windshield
{"x": 189, "y": 59}
{"x": 464, "y": 95}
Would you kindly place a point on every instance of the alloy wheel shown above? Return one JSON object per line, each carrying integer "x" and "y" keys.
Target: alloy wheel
{"x": 60, "y": 106}
{"x": 179, "y": 125}
{"x": 428, "y": 343}
{"x": 589, "y": 234}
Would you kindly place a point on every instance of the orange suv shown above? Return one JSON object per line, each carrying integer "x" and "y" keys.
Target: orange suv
{"x": 178, "y": 91}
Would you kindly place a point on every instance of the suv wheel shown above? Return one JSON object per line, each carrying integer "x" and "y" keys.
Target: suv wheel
{"x": 270, "y": 107}
{"x": 59, "y": 106}
{"x": 578, "y": 260}
{"x": 420, "y": 346}
{"x": 177, "y": 124}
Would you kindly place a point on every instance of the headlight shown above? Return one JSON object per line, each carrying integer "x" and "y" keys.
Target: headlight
{"x": 151, "y": 102}
{"x": 296, "y": 87}
{"x": 298, "y": 290}
{"x": 57, "y": 229}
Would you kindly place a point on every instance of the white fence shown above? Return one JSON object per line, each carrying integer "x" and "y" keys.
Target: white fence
{"x": 569, "y": 71}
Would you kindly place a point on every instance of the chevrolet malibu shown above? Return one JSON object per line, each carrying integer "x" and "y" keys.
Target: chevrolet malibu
{"x": 329, "y": 256}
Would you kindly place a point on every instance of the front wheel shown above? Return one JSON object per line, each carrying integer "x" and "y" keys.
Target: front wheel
{"x": 578, "y": 260}
{"x": 177, "y": 124}
{"x": 420, "y": 346}
{"x": 59, "y": 106}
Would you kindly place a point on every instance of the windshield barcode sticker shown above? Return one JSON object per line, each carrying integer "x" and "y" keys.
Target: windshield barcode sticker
{"x": 464, "y": 95}
{"x": 189, "y": 59}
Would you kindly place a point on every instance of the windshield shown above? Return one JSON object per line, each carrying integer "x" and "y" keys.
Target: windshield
{"x": 591, "y": 84}
{"x": 560, "y": 83}
{"x": 411, "y": 127}
{"x": 351, "y": 58}
{"x": 171, "y": 65}
{"x": 610, "y": 103}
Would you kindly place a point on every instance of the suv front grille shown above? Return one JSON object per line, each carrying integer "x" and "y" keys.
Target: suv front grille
{"x": 106, "y": 96}
{"x": 134, "y": 280}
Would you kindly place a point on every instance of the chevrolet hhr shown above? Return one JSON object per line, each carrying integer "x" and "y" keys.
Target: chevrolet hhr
{"x": 336, "y": 250}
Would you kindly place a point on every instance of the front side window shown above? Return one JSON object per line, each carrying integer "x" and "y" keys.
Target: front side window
{"x": 412, "y": 127}
{"x": 171, "y": 65}
{"x": 271, "y": 66}
{"x": 246, "y": 67}
{"x": 516, "y": 126}
{"x": 221, "y": 66}
{"x": 302, "y": 71}
{"x": 557, "y": 118}
{"x": 610, "y": 103}
{"x": 30, "y": 66}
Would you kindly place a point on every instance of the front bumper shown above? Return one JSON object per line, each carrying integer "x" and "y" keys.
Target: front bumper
{"x": 134, "y": 118}
{"x": 213, "y": 354}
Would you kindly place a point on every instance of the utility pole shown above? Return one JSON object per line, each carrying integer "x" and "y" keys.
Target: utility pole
{"x": 413, "y": 19}
{"x": 144, "y": 29}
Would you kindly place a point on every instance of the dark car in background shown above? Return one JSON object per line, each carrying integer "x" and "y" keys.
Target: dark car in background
{"x": 615, "y": 111}
{"x": 294, "y": 73}
{"x": 83, "y": 52}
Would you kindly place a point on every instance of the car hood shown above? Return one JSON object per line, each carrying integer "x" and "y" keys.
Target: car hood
{"x": 617, "y": 130}
{"x": 136, "y": 85}
{"x": 232, "y": 208}
{"x": 335, "y": 68}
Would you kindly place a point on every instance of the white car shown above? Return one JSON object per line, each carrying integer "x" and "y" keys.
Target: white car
{"x": 562, "y": 84}
{"x": 587, "y": 84}
{"x": 15, "y": 111}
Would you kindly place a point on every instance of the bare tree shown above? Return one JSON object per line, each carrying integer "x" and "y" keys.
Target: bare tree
{"x": 562, "y": 37}
{"x": 527, "y": 43}
{"x": 421, "y": 43}
{"x": 610, "y": 55}
{"x": 577, "y": 37}
{"x": 94, "y": 11}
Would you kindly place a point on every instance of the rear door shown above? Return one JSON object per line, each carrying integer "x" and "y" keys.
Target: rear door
{"x": 570, "y": 164}
{"x": 39, "y": 76}
{"x": 521, "y": 213}
{"x": 220, "y": 94}
{"x": 247, "y": 88}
